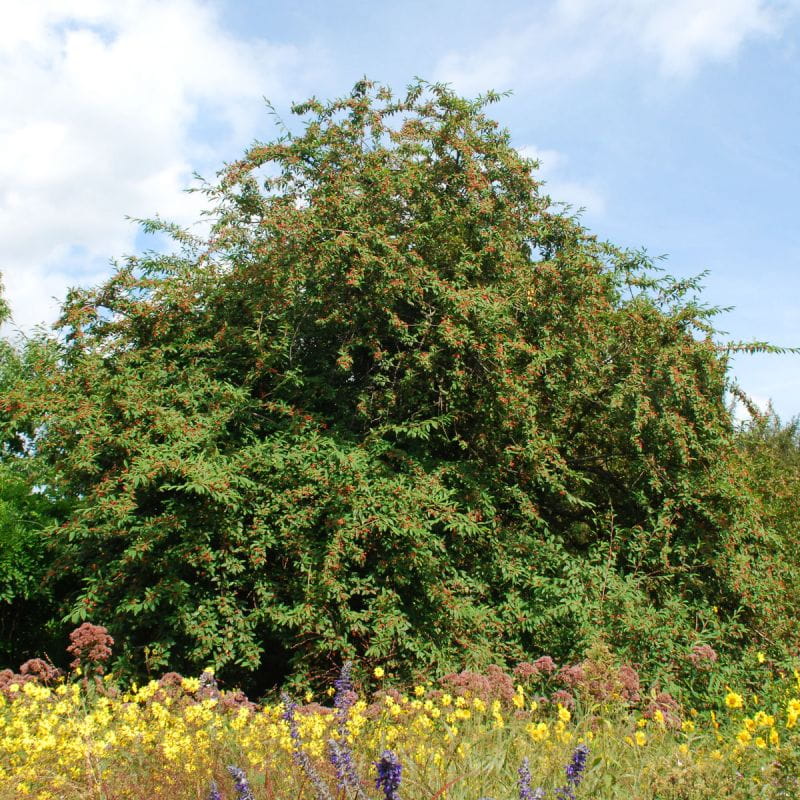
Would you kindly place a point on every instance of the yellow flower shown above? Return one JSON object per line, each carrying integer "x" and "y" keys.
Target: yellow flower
{"x": 733, "y": 700}
{"x": 563, "y": 713}
{"x": 743, "y": 737}
{"x": 760, "y": 657}
{"x": 764, "y": 720}
{"x": 641, "y": 738}
{"x": 687, "y": 726}
{"x": 419, "y": 691}
{"x": 761, "y": 742}
{"x": 538, "y": 731}
{"x": 190, "y": 685}
{"x": 378, "y": 672}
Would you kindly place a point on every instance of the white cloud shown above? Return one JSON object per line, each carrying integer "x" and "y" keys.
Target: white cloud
{"x": 560, "y": 186}
{"x": 740, "y": 411}
{"x": 572, "y": 39}
{"x": 104, "y": 106}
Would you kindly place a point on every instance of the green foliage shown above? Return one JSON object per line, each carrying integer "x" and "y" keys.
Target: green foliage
{"x": 27, "y": 511}
{"x": 770, "y": 461}
{"x": 396, "y": 406}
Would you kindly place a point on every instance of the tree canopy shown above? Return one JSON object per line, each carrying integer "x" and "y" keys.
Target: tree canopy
{"x": 396, "y": 405}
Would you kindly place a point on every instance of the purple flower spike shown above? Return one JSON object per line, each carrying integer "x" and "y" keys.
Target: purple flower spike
{"x": 299, "y": 755}
{"x": 243, "y": 790}
{"x": 574, "y": 773}
{"x": 342, "y": 759}
{"x": 389, "y": 772}
{"x": 213, "y": 792}
{"x": 524, "y": 783}
{"x": 343, "y": 684}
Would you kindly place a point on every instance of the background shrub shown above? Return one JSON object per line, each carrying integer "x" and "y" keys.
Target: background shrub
{"x": 398, "y": 406}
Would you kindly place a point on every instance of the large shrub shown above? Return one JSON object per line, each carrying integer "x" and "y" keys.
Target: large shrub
{"x": 28, "y": 608}
{"x": 398, "y": 406}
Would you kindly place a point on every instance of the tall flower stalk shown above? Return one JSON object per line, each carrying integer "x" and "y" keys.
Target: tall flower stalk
{"x": 389, "y": 773}
{"x": 299, "y": 755}
{"x": 574, "y": 772}
{"x": 341, "y": 756}
{"x": 243, "y": 790}
{"x": 524, "y": 783}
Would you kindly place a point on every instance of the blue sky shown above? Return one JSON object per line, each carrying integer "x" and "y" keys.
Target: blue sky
{"x": 675, "y": 124}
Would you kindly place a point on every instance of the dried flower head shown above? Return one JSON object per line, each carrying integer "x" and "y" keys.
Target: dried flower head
{"x": 546, "y": 665}
{"x": 564, "y": 698}
{"x": 39, "y": 668}
{"x": 525, "y": 670}
{"x": 571, "y": 676}
{"x": 703, "y": 656}
{"x": 91, "y": 647}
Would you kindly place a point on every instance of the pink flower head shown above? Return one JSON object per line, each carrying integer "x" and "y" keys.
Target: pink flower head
{"x": 91, "y": 646}
{"x": 545, "y": 664}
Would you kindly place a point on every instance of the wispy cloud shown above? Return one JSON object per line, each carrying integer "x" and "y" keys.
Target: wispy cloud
{"x": 107, "y": 110}
{"x": 571, "y": 39}
{"x": 560, "y": 185}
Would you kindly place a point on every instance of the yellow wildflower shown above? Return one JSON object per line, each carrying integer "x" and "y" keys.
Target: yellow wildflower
{"x": 743, "y": 737}
{"x": 190, "y": 685}
{"x": 733, "y": 700}
{"x": 538, "y": 731}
